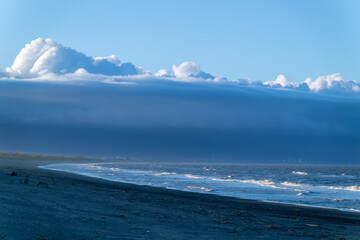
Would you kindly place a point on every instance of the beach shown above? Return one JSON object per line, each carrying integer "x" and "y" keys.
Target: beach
{"x": 43, "y": 204}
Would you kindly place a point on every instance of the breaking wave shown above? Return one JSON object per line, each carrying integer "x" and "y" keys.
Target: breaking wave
{"x": 299, "y": 173}
{"x": 315, "y": 186}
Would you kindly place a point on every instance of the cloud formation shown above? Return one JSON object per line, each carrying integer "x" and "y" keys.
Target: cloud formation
{"x": 54, "y": 97}
{"x": 334, "y": 82}
{"x": 173, "y": 118}
{"x": 190, "y": 69}
{"x": 163, "y": 73}
{"x": 47, "y": 60}
{"x": 44, "y": 56}
{"x": 280, "y": 81}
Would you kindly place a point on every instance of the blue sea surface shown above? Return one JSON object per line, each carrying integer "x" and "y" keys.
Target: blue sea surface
{"x": 321, "y": 186}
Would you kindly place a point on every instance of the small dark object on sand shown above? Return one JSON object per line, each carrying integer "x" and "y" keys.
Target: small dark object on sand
{"x": 42, "y": 184}
{"x": 13, "y": 174}
{"x": 26, "y": 181}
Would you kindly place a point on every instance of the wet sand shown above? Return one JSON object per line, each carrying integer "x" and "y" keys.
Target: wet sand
{"x": 43, "y": 204}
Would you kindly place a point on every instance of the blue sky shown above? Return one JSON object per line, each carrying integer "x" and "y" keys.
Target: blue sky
{"x": 254, "y": 39}
{"x": 60, "y": 100}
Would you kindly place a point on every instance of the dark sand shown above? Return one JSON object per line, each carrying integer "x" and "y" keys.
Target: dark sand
{"x": 55, "y": 205}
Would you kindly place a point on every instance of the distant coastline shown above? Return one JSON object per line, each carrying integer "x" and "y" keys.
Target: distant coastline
{"x": 38, "y": 156}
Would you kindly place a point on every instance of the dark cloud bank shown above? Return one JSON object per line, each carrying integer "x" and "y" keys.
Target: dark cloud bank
{"x": 179, "y": 121}
{"x": 48, "y": 107}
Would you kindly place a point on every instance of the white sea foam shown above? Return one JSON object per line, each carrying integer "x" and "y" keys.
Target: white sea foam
{"x": 299, "y": 173}
{"x": 348, "y": 175}
{"x": 263, "y": 183}
{"x": 291, "y": 184}
{"x": 355, "y": 210}
{"x": 164, "y": 173}
{"x": 115, "y": 169}
{"x": 278, "y": 185}
{"x": 95, "y": 166}
{"x": 199, "y": 188}
{"x": 194, "y": 177}
{"x": 354, "y": 188}
{"x": 339, "y": 199}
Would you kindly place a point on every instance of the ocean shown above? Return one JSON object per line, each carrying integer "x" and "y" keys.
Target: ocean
{"x": 311, "y": 185}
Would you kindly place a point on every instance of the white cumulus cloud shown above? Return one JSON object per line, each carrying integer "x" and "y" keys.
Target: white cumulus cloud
{"x": 186, "y": 69}
{"x": 163, "y": 73}
{"x": 333, "y": 82}
{"x": 47, "y": 60}
{"x": 280, "y": 81}
{"x": 113, "y": 59}
{"x": 43, "y": 56}
{"x": 190, "y": 70}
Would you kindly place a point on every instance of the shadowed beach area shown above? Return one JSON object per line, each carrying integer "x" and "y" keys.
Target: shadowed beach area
{"x": 42, "y": 204}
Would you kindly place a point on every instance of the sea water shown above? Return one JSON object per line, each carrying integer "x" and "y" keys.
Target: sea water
{"x": 320, "y": 186}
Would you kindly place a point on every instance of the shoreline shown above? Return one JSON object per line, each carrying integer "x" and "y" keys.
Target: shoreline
{"x": 87, "y": 207}
{"x": 183, "y": 190}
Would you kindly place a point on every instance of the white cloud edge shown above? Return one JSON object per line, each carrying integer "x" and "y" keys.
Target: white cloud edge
{"x": 36, "y": 61}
